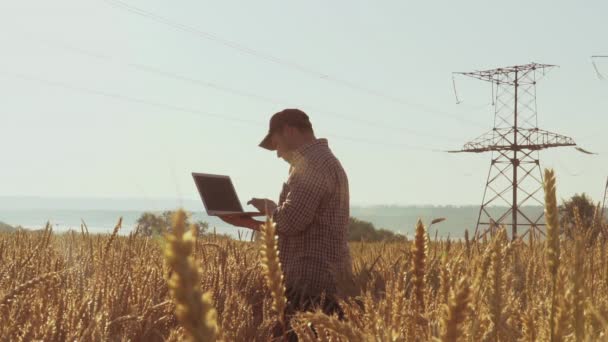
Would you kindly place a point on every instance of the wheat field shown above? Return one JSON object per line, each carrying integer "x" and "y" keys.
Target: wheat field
{"x": 84, "y": 287}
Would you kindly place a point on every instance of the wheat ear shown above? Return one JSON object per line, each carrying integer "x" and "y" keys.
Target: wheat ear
{"x": 419, "y": 251}
{"x": 271, "y": 267}
{"x": 112, "y": 237}
{"x": 551, "y": 218}
{"x": 193, "y": 309}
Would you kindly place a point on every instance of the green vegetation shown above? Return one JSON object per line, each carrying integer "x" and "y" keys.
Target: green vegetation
{"x": 359, "y": 230}
{"x": 151, "y": 224}
{"x": 154, "y": 224}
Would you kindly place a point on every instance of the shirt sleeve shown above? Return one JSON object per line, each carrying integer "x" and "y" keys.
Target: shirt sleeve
{"x": 295, "y": 214}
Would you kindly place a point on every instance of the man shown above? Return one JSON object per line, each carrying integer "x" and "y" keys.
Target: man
{"x": 311, "y": 216}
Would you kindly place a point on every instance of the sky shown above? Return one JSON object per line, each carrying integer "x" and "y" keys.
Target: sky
{"x": 121, "y": 99}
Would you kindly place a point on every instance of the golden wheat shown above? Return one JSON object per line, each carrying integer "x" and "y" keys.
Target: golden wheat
{"x": 553, "y": 246}
{"x": 23, "y": 288}
{"x": 331, "y": 323}
{"x": 457, "y": 311}
{"x": 271, "y": 267}
{"x": 84, "y": 286}
{"x": 112, "y": 237}
{"x": 419, "y": 251}
{"x": 194, "y": 310}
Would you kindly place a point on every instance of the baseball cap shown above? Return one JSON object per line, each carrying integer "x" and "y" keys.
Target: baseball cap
{"x": 290, "y": 116}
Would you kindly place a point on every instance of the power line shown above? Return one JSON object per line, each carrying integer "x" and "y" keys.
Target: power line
{"x": 121, "y": 97}
{"x": 280, "y": 61}
{"x": 233, "y": 91}
{"x": 196, "y": 112}
{"x": 384, "y": 143}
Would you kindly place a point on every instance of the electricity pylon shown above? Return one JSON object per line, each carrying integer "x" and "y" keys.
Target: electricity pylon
{"x": 515, "y": 142}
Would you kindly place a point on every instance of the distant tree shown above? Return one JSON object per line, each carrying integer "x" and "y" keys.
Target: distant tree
{"x": 363, "y": 230}
{"x": 151, "y": 224}
{"x": 201, "y": 226}
{"x": 167, "y": 217}
{"x": 586, "y": 210}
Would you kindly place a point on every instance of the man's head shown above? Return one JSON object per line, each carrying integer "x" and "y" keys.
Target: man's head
{"x": 289, "y": 129}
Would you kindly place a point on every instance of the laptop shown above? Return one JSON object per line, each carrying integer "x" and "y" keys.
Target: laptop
{"x": 219, "y": 196}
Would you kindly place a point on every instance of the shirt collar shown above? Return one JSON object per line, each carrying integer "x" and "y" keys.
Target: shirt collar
{"x": 301, "y": 152}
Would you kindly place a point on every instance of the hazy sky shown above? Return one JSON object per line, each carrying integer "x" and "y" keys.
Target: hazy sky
{"x": 98, "y": 101}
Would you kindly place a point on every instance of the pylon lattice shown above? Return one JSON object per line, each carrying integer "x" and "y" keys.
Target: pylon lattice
{"x": 515, "y": 142}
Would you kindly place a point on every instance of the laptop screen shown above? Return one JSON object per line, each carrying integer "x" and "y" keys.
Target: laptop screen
{"x": 218, "y": 193}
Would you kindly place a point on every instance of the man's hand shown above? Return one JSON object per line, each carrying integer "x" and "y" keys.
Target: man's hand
{"x": 242, "y": 221}
{"x": 263, "y": 205}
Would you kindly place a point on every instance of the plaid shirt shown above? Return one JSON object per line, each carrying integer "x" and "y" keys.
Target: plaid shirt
{"x": 312, "y": 221}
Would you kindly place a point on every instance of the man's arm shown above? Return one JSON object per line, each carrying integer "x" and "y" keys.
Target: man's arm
{"x": 296, "y": 213}
{"x": 242, "y": 221}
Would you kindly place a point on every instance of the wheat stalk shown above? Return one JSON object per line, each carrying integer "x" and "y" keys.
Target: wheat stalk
{"x": 563, "y": 311}
{"x": 467, "y": 243}
{"x": 496, "y": 294}
{"x": 193, "y": 309}
{"x": 112, "y": 237}
{"x": 19, "y": 290}
{"x": 271, "y": 266}
{"x": 579, "y": 290}
{"x": 551, "y": 217}
{"x": 331, "y": 323}
{"x": 419, "y": 252}
{"x": 457, "y": 311}
{"x": 553, "y": 248}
